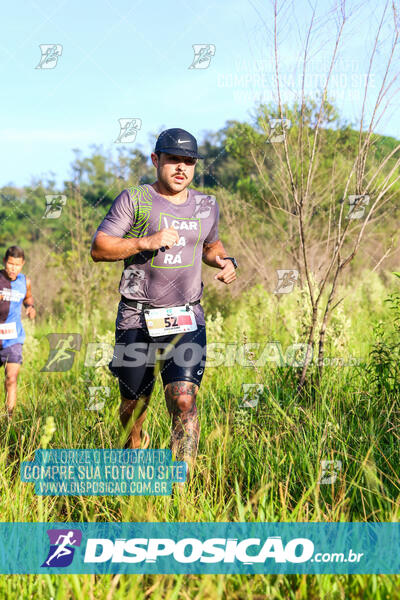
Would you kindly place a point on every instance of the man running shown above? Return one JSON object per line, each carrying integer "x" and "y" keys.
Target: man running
{"x": 15, "y": 289}
{"x": 162, "y": 232}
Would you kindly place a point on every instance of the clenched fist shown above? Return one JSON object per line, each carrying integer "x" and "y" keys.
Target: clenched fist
{"x": 166, "y": 237}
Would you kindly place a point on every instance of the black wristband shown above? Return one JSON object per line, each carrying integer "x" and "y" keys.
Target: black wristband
{"x": 233, "y": 260}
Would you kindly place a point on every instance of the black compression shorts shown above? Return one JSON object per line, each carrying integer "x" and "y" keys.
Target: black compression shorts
{"x": 138, "y": 358}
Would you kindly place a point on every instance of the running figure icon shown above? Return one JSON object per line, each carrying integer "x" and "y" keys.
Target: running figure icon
{"x": 62, "y": 549}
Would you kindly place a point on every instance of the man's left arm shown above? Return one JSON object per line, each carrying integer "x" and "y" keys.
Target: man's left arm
{"x": 28, "y": 300}
{"x": 213, "y": 256}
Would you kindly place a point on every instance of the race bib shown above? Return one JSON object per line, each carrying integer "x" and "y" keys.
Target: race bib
{"x": 165, "y": 321}
{"x": 8, "y": 331}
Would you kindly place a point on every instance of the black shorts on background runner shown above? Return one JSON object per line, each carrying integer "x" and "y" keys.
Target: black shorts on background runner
{"x": 179, "y": 364}
{"x": 11, "y": 354}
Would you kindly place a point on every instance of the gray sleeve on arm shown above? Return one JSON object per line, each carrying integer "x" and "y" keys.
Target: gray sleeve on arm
{"x": 120, "y": 217}
{"x": 213, "y": 233}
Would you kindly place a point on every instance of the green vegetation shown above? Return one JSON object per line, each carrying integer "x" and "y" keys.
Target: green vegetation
{"x": 260, "y": 463}
{"x": 255, "y": 464}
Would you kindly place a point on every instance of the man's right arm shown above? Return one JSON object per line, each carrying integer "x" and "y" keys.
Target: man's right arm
{"x": 109, "y": 242}
{"x": 108, "y": 248}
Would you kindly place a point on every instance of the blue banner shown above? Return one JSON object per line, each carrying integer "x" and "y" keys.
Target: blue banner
{"x": 290, "y": 548}
{"x": 103, "y": 472}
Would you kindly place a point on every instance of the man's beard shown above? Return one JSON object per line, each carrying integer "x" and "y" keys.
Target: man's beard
{"x": 186, "y": 182}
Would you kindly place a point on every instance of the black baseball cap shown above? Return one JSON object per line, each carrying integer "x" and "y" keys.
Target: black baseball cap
{"x": 177, "y": 141}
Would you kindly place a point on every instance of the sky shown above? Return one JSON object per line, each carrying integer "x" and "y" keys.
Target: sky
{"x": 132, "y": 59}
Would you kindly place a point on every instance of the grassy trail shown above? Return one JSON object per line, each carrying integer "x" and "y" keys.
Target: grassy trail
{"x": 255, "y": 464}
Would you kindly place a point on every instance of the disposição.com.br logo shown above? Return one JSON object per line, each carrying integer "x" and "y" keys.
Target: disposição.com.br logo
{"x": 63, "y": 543}
{"x": 62, "y": 547}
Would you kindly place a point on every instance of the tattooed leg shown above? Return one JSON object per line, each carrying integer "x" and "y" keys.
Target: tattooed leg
{"x": 181, "y": 403}
{"x": 132, "y": 414}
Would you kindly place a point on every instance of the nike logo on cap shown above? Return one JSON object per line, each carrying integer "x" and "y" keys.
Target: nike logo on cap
{"x": 183, "y": 141}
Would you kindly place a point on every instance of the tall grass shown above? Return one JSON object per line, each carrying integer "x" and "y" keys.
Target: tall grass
{"x": 254, "y": 464}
